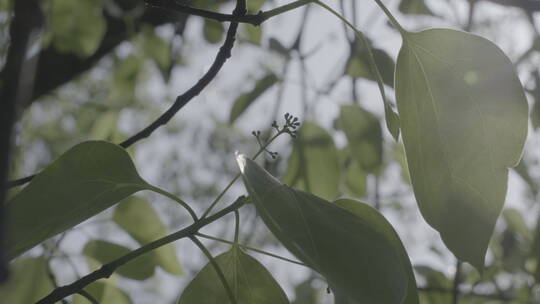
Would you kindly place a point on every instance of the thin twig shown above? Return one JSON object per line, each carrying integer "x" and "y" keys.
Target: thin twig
{"x": 256, "y": 19}
{"x": 108, "y": 269}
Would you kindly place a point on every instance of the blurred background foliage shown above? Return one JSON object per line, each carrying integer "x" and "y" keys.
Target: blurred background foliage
{"x": 107, "y": 68}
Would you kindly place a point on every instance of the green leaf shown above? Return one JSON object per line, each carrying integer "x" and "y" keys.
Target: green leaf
{"x": 364, "y": 134}
{"x": 213, "y": 31}
{"x": 305, "y": 293}
{"x": 314, "y": 163}
{"x": 137, "y": 217}
{"x": 464, "y": 122}
{"x": 103, "y": 292}
{"x": 246, "y": 99}
{"x": 252, "y": 34}
{"x": 355, "y": 179}
{"x": 77, "y": 26}
{"x": 104, "y": 126}
{"x": 254, "y": 6}
{"x": 372, "y": 218}
{"x": 156, "y": 49}
{"x": 515, "y": 221}
{"x": 250, "y": 282}
{"x": 354, "y": 254}
{"x": 105, "y": 252}
{"x": 414, "y": 7}
{"x": 87, "y": 179}
{"x": 28, "y": 282}
{"x": 358, "y": 65}
{"x": 392, "y": 120}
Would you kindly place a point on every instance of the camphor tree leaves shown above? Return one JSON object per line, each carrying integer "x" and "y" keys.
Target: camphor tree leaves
{"x": 249, "y": 281}
{"x": 314, "y": 162}
{"x": 87, "y": 179}
{"x": 356, "y": 251}
{"x": 137, "y": 217}
{"x": 28, "y": 282}
{"x": 464, "y": 123}
{"x": 246, "y": 99}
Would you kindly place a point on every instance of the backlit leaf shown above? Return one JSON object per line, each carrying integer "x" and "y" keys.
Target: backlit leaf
{"x": 414, "y": 7}
{"x": 358, "y": 64}
{"x": 353, "y": 253}
{"x": 249, "y": 281}
{"x": 364, "y": 134}
{"x": 103, "y": 292}
{"x": 77, "y": 26}
{"x": 105, "y": 252}
{"x": 137, "y": 217}
{"x": 87, "y": 179}
{"x": 246, "y": 99}
{"x": 464, "y": 122}
{"x": 213, "y": 31}
{"x": 28, "y": 282}
{"x": 314, "y": 163}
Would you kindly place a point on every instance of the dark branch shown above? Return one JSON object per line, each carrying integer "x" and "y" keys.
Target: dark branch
{"x": 17, "y": 80}
{"x": 222, "y": 56}
{"x": 108, "y": 269}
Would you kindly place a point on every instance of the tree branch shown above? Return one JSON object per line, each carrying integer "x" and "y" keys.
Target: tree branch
{"x": 249, "y": 18}
{"x": 108, "y": 269}
{"x": 222, "y": 56}
{"x": 17, "y": 81}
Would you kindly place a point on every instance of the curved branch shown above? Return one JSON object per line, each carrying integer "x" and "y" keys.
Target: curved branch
{"x": 108, "y": 269}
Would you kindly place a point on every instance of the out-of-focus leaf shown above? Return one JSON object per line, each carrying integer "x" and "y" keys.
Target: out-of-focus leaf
{"x": 435, "y": 280}
{"x": 523, "y": 172}
{"x": 104, "y": 126}
{"x": 314, "y": 164}
{"x": 305, "y": 293}
{"x": 126, "y": 77}
{"x": 28, "y": 282}
{"x": 364, "y": 134}
{"x": 137, "y": 217}
{"x": 534, "y": 253}
{"x": 85, "y": 180}
{"x": 414, "y": 7}
{"x": 254, "y": 6}
{"x": 358, "y": 65}
{"x": 515, "y": 221}
{"x": 276, "y": 46}
{"x": 355, "y": 180}
{"x": 213, "y": 31}
{"x": 354, "y": 253}
{"x": 103, "y": 292}
{"x": 105, "y": 252}
{"x": 249, "y": 281}
{"x": 77, "y": 26}
{"x": 252, "y": 34}
{"x": 156, "y": 49}
{"x": 246, "y": 99}
{"x": 463, "y": 116}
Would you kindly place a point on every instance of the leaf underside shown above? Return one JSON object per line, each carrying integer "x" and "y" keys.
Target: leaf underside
{"x": 464, "y": 122}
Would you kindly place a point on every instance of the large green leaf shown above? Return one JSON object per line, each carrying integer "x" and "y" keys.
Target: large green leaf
{"x": 249, "y": 281}
{"x": 77, "y": 26}
{"x": 28, "y": 282}
{"x": 140, "y": 220}
{"x": 314, "y": 163}
{"x": 464, "y": 122}
{"x": 246, "y": 99}
{"x": 364, "y": 134}
{"x": 357, "y": 258}
{"x": 103, "y": 292}
{"x": 376, "y": 221}
{"x": 105, "y": 252}
{"x": 87, "y": 179}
